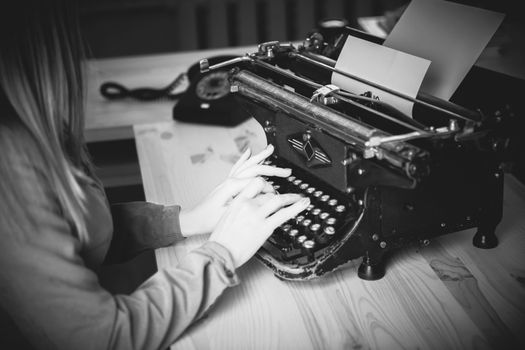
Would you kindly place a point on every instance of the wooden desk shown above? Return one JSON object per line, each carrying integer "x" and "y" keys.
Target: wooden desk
{"x": 448, "y": 295}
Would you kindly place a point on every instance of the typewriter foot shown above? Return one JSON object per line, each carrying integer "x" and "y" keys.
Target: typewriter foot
{"x": 371, "y": 269}
{"x": 485, "y": 239}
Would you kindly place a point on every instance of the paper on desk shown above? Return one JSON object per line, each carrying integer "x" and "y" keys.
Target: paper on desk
{"x": 383, "y": 66}
{"x": 451, "y": 35}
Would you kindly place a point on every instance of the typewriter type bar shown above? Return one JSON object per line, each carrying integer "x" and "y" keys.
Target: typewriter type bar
{"x": 406, "y": 158}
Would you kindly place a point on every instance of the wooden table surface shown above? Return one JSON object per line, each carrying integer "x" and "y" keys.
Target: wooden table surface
{"x": 448, "y": 295}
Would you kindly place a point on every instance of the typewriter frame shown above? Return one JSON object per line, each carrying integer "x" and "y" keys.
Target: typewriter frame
{"x": 413, "y": 179}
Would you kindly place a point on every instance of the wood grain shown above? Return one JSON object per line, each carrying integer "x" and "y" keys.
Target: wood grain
{"x": 449, "y": 295}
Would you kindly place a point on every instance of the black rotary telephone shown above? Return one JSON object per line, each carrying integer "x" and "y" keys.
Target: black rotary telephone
{"x": 207, "y": 100}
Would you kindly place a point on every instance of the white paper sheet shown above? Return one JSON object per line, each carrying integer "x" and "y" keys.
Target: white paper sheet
{"x": 381, "y": 65}
{"x": 451, "y": 35}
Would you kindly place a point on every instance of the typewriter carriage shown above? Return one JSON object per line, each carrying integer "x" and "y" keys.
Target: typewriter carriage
{"x": 405, "y": 180}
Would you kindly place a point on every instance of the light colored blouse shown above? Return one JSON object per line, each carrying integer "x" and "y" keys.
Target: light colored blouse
{"x": 50, "y": 293}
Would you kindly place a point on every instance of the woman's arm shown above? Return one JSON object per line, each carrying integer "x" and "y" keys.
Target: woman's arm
{"x": 58, "y": 303}
{"x": 139, "y": 226}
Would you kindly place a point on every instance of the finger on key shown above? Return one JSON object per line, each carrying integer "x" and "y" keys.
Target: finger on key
{"x": 258, "y": 158}
{"x": 264, "y": 170}
{"x": 254, "y": 187}
{"x": 276, "y": 202}
{"x": 284, "y": 214}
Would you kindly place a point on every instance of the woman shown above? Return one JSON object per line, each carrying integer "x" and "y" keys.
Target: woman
{"x": 55, "y": 224}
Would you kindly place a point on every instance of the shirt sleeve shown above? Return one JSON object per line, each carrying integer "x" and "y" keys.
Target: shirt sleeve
{"x": 58, "y": 303}
{"x": 139, "y": 226}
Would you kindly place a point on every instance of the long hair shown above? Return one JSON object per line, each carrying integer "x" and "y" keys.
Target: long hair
{"x": 41, "y": 83}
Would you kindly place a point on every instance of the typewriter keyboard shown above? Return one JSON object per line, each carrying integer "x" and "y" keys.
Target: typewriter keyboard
{"x": 307, "y": 236}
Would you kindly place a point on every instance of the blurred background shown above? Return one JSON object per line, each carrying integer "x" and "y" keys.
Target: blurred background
{"x": 134, "y": 27}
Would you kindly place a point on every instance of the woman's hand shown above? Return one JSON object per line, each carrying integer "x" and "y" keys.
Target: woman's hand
{"x": 204, "y": 217}
{"x": 252, "y": 217}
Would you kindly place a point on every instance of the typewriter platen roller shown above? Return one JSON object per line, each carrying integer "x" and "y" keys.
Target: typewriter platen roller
{"x": 378, "y": 180}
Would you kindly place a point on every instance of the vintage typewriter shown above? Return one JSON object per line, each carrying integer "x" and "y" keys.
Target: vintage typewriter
{"x": 378, "y": 180}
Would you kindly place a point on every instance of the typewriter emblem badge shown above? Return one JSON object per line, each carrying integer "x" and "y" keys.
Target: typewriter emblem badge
{"x": 310, "y": 150}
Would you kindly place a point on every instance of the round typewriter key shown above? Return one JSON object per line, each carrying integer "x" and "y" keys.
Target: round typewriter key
{"x": 315, "y": 214}
{"x": 308, "y": 244}
{"x": 332, "y": 202}
{"x": 299, "y": 219}
{"x": 329, "y": 231}
{"x": 301, "y": 239}
{"x": 331, "y": 221}
{"x": 315, "y": 228}
{"x": 286, "y": 228}
{"x": 306, "y": 223}
{"x": 309, "y": 207}
{"x": 291, "y": 178}
{"x": 297, "y": 182}
{"x": 293, "y": 233}
{"x": 276, "y": 187}
{"x": 308, "y": 247}
{"x": 324, "y": 215}
{"x": 318, "y": 194}
{"x": 310, "y": 190}
{"x": 340, "y": 209}
{"x": 324, "y": 198}
{"x": 304, "y": 186}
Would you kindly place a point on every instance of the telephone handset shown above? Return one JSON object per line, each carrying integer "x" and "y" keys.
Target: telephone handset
{"x": 207, "y": 99}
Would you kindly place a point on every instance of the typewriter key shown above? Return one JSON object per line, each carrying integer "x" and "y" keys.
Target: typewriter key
{"x": 304, "y": 186}
{"x": 309, "y": 207}
{"x": 318, "y": 194}
{"x": 340, "y": 209}
{"x": 267, "y": 162}
{"x": 316, "y": 232}
{"x": 329, "y": 231}
{"x": 324, "y": 198}
{"x": 301, "y": 239}
{"x": 331, "y": 221}
{"x": 314, "y": 229}
{"x": 306, "y": 223}
{"x": 323, "y": 216}
{"x": 308, "y": 244}
{"x": 307, "y": 248}
{"x": 297, "y": 182}
{"x": 310, "y": 190}
{"x": 299, "y": 219}
{"x": 293, "y": 233}
{"x": 290, "y": 178}
{"x": 332, "y": 202}
{"x": 276, "y": 187}
{"x": 286, "y": 228}
{"x": 315, "y": 213}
